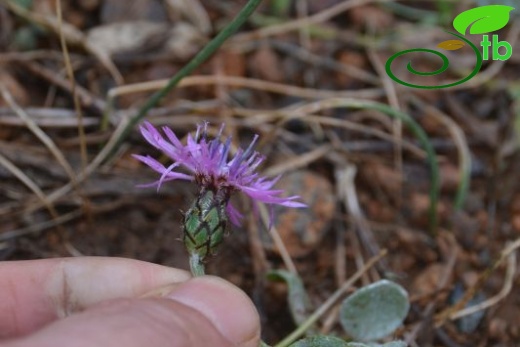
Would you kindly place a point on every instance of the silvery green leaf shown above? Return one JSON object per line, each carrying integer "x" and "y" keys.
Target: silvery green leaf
{"x": 324, "y": 341}
{"x": 374, "y": 311}
{"x": 395, "y": 344}
{"x": 331, "y": 341}
{"x": 388, "y": 344}
{"x": 299, "y": 303}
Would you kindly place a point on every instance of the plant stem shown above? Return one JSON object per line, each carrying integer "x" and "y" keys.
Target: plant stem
{"x": 196, "y": 266}
{"x": 201, "y": 57}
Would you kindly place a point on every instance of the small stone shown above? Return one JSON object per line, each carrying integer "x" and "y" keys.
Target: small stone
{"x": 302, "y": 229}
{"x": 427, "y": 281}
{"x": 497, "y": 328}
{"x": 113, "y": 11}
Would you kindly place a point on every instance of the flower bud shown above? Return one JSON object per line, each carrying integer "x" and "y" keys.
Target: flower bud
{"x": 205, "y": 223}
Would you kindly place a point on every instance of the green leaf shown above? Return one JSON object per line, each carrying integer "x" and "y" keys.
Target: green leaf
{"x": 368, "y": 344}
{"x": 331, "y": 341}
{"x": 374, "y": 311}
{"x": 395, "y": 344}
{"x": 299, "y": 302}
{"x": 324, "y": 341}
{"x": 483, "y": 19}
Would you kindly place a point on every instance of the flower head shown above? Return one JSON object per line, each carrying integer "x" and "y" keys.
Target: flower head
{"x": 205, "y": 162}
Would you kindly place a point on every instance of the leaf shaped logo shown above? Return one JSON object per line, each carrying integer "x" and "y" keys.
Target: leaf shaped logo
{"x": 483, "y": 19}
{"x": 451, "y": 45}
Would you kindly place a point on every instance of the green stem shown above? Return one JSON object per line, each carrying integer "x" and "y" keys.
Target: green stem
{"x": 201, "y": 57}
{"x": 196, "y": 266}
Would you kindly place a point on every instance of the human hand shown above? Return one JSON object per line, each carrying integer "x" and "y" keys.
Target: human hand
{"x": 114, "y": 302}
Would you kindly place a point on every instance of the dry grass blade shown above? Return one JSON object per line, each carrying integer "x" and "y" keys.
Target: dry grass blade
{"x": 326, "y": 62}
{"x": 29, "y": 183}
{"x": 71, "y": 34}
{"x": 37, "y": 131}
{"x": 412, "y": 125}
{"x": 86, "y": 98}
{"x": 345, "y": 179}
{"x": 331, "y": 301}
{"x": 35, "y": 228}
{"x": 70, "y": 73}
{"x": 257, "y": 117}
{"x": 506, "y": 289}
{"x": 391, "y": 95}
{"x": 462, "y": 146}
{"x": 93, "y": 165}
{"x": 280, "y": 88}
{"x": 319, "y": 17}
{"x": 260, "y": 262}
{"x": 453, "y": 312}
{"x": 45, "y": 118}
{"x": 300, "y": 161}
{"x": 286, "y": 257}
{"x": 302, "y": 12}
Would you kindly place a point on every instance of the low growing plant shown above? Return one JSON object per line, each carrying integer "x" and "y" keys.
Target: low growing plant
{"x": 371, "y": 313}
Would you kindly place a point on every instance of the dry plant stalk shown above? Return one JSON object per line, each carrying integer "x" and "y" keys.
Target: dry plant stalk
{"x": 457, "y": 311}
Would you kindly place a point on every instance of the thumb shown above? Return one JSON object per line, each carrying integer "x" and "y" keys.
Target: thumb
{"x": 204, "y": 311}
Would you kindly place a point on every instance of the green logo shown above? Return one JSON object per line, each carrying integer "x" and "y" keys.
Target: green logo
{"x": 479, "y": 20}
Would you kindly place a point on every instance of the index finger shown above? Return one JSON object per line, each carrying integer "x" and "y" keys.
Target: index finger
{"x": 36, "y": 292}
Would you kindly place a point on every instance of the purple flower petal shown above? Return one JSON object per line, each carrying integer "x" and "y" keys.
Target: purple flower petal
{"x": 206, "y": 162}
{"x": 234, "y": 216}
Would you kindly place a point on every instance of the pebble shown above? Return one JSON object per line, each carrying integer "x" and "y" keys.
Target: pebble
{"x": 302, "y": 229}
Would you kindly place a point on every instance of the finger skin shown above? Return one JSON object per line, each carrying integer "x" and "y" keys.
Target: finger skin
{"x": 228, "y": 308}
{"x": 36, "y": 292}
{"x": 173, "y": 321}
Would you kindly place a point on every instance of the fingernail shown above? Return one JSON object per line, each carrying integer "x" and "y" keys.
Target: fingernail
{"x": 228, "y": 308}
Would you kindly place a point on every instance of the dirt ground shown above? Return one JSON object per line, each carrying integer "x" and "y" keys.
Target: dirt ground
{"x": 293, "y": 75}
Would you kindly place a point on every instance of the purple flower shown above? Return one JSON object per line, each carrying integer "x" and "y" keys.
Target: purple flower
{"x": 205, "y": 161}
